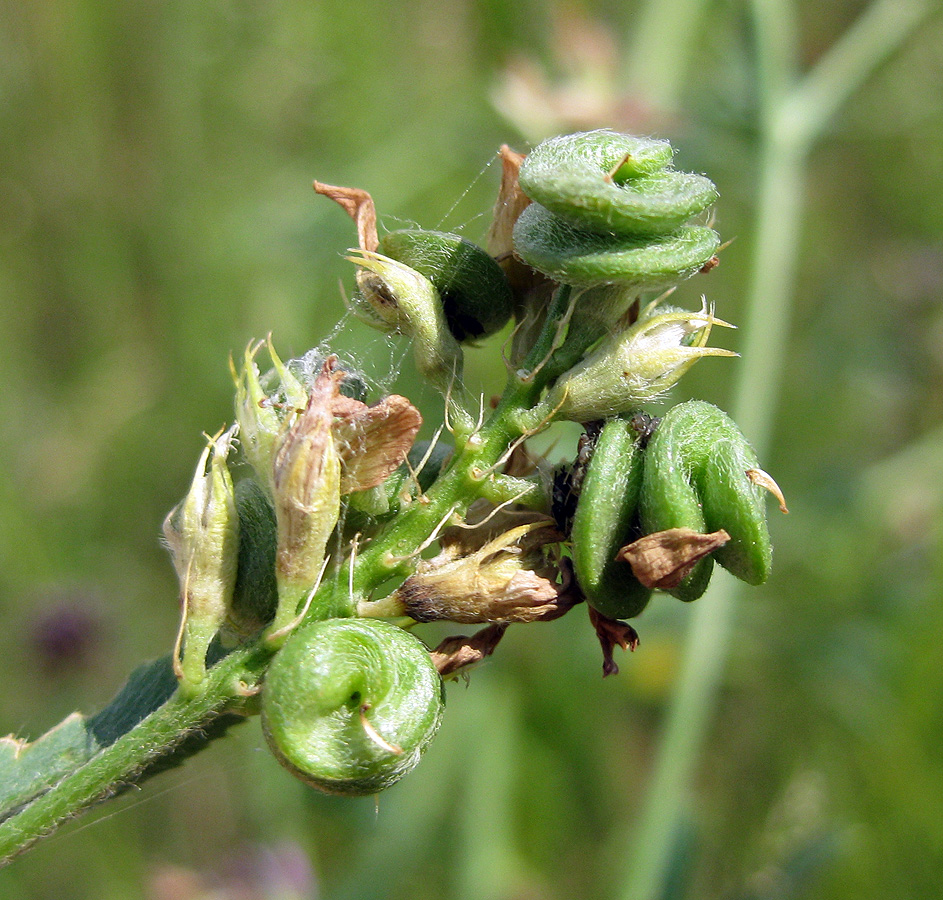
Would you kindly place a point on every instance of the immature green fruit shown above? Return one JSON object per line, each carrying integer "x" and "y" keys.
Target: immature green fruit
{"x": 609, "y": 209}
{"x": 349, "y": 705}
{"x": 475, "y": 293}
{"x": 700, "y": 473}
{"x": 255, "y": 594}
{"x": 605, "y": 521}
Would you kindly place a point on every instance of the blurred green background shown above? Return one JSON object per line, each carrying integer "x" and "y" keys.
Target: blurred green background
{"x": 156, "y": 214}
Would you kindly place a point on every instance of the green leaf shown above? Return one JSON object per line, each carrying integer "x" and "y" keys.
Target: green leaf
{"x": 28, "y": 769}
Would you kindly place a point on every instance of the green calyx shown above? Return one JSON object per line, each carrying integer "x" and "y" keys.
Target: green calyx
{"x": 475, "y": 294}
{"x": 349, "y": 705}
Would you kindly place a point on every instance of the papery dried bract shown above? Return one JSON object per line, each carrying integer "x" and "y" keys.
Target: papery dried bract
{"x": 373, "y": 440}
{"x": 662, "y": 560}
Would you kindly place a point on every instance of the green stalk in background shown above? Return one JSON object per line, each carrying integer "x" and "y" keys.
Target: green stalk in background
{"x": 794, "y": 116}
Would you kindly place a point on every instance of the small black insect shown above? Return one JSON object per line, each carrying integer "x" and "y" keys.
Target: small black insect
{"x": 568, "y": 478}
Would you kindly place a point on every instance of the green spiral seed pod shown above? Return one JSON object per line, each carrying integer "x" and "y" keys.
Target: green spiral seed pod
{"x": 255, "y": 595}
{"x": 608, "y": 209}
{"x": 605, "y": 521}
{"x": 696, "y": 476}
{"x": 349, "y": 705}
{"x": 475, "y": 293}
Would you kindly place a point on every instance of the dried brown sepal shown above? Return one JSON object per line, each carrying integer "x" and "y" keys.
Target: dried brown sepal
{"x": 521, "y": 463}
{"x": 373, "y": 440}
{"x": 662, "y": 560}
{"x": 765, "y": 480}
{"x": 511, "y": 202}
{"x": 459, "y": 652}
{"x": 612, "y": 633}
{"x": 359, "y": 206}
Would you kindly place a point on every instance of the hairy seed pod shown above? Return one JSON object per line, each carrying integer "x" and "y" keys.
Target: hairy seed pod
{"x": 609, "y": 209}
{"x": 475, "y": 293}
{"x": 605, "y": 521}
{"x": 697, "y": 476}
{"x": 349, "y": 705}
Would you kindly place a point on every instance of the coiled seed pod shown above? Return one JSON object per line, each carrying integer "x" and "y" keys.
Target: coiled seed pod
{"x": 349, "y": 705}
{"x": 697, "y": 475}
{"x": 475, "y": 293}
{"x": 255, "y": 595}
{"x": 605, "y": 520}
{"x": 609, "y": 210}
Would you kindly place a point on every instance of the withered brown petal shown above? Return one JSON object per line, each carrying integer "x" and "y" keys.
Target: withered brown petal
{"x": 373, "y": 440}
{"x": 612, "y": 633}
{"x": 359, "y": 206}
{"x": 525, "y": 597}
{"x": 511, "y": 202}
{"x": 662, "y": 560}
{"x": 460, "y": 651}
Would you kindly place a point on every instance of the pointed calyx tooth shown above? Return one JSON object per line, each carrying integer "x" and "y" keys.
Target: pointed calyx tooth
{"x": 359, "y": 206}
{"x": 765, "y": 480}
{"x": 663, "y": 559}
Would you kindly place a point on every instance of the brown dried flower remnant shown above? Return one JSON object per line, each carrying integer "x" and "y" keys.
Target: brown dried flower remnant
{"x": 334, "y": 446}
{"x": 509, "y": 579}
{"x": 612, "y": 633}
{"x": 663, "y": 559}
{"x": 372, "y": 440}
{"x": 359, "y": 206}
{"x": 492, "y": 571}
{"x": 455, "y": 654}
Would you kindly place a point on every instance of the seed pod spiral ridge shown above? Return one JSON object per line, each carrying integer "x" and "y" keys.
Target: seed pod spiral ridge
{"x": 349, "y": 705}
{"x": 605, "y": 521}
{"x": 609, "y": 209}
{"x": 696, "y": 476}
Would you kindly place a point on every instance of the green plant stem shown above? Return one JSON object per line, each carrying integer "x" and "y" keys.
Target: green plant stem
{"x": 119, "y": 763}
{"x": 790, "y": 129}
{"x": 230, "y": 682}
{"x": 470, "y": 474}
{"x": 660, "y": 50}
